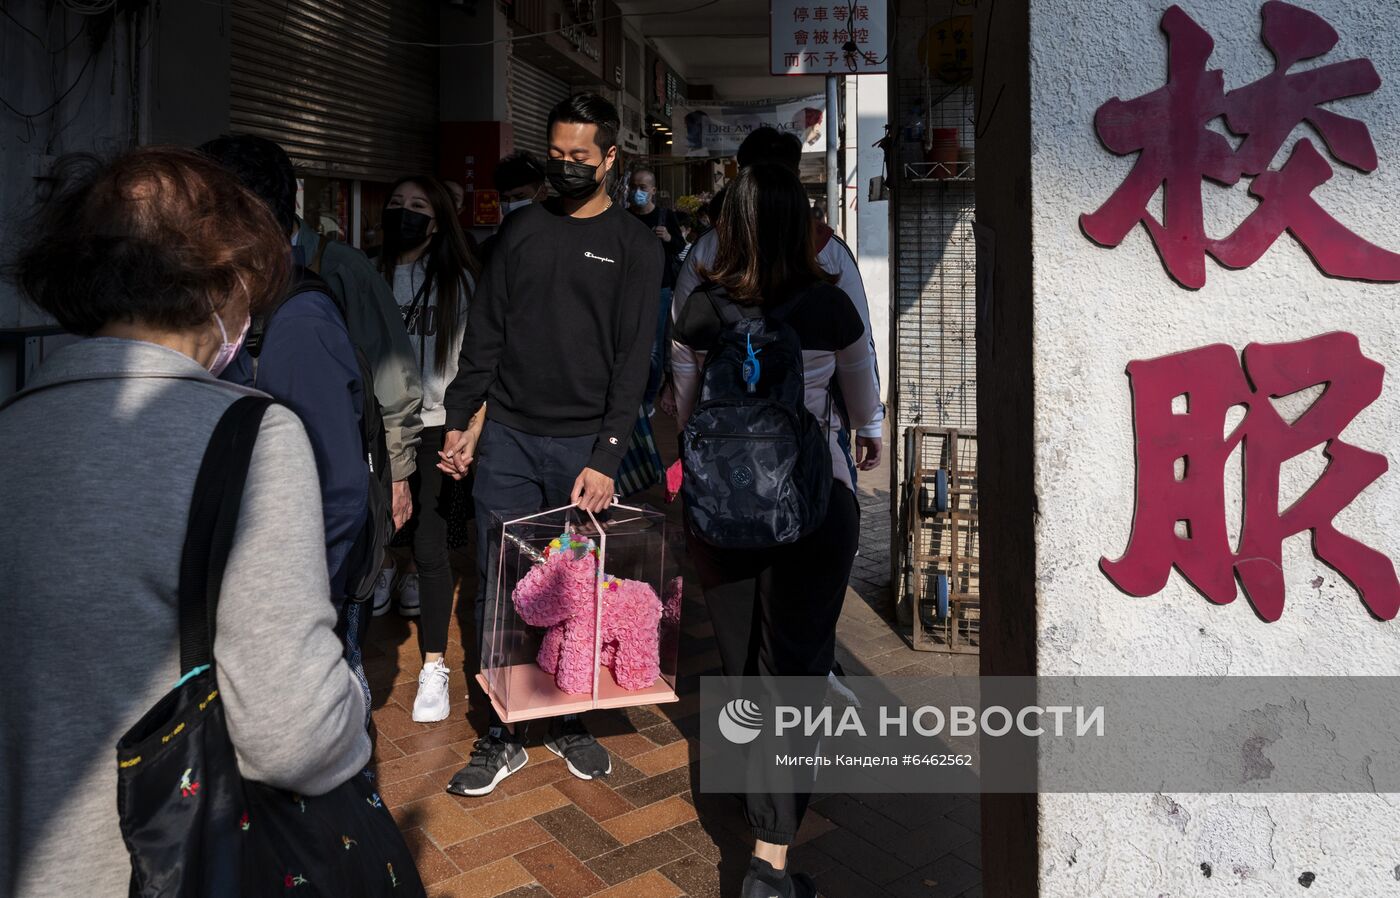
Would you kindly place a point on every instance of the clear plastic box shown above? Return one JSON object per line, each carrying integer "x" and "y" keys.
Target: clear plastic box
{"x": 549, "y": 645}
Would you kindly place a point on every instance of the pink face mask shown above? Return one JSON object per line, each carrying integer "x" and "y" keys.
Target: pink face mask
{"x": 228, "y": 351}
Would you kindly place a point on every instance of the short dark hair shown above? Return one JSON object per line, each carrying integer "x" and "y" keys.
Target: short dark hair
{"x": 588, "y": 109}
{"x": 264, "y": 168}
{"x": 163, "y": 236}
{"x": 768, "y": 144}
{"x": 517, "y": 170}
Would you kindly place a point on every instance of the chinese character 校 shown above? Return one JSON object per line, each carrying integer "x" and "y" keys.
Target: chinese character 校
{"x": 1168, "y": 129}
{"x": 1182, "y": 451}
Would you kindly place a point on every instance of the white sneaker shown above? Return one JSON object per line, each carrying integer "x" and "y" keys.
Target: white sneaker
{"x": 409, "y": 605}
{"x": 383, "y": 586}
{"x": 431, "y": 703}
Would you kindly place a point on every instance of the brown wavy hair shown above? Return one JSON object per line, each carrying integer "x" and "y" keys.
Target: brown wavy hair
{"x": 766, "y": 250}
{"x": 163, "y": 236}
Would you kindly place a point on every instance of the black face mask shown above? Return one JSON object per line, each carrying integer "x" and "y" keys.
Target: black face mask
{"x": 572, "y": 180}
{"x": 404, "y": 228}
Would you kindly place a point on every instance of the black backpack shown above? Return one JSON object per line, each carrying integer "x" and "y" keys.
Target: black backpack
{"x": 366, "y": 555}
{"x": 757, "y": 464}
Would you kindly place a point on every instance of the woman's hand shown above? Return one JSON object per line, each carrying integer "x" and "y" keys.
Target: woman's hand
{"x": 666, "y": 399}
{"x": 868, "y": 451}
{"x": 458, "y": 453}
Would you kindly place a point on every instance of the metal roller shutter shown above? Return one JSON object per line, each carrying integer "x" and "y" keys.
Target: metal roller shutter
{"x": 338, "y": 83}
{"x": 532, "y": 94}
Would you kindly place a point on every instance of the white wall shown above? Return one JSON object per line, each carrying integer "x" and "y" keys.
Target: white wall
{"x": 1095, "y": 310}
{"x": 865, "y": 124}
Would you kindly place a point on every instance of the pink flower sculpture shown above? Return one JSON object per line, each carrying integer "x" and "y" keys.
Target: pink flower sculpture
{"x": 560, "y": 594}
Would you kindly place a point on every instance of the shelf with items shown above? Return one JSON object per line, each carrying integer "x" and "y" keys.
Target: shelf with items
{"x": 940, "y": 172}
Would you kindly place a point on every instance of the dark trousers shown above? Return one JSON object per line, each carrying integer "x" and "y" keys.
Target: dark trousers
{"x": 432, "y": 507}
{"x": 517, "y": 475}
{"x": 774, "y": 613}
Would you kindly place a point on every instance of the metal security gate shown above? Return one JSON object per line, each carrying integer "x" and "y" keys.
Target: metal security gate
{"x": 341, "y": 84}
{"x": 934, "y": 335}
{"x": 532, "y": 93}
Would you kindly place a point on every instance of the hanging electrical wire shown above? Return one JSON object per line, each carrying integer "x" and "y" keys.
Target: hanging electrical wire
{"x": 61, "y": 97}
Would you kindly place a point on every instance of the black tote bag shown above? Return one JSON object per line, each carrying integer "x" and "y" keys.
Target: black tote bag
{"x": 194, "y": 828}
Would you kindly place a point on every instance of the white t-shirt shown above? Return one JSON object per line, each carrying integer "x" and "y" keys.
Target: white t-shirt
{"x": 422, "y": 334}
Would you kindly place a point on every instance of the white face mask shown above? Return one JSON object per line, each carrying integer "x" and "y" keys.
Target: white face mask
{"x": 228, "y": 351}
{"x": 513, "y": 205}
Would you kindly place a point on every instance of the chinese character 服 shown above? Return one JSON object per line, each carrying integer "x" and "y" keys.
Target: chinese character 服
{"x": 1168, "y": 129}
{"x": 1180, "y": 407}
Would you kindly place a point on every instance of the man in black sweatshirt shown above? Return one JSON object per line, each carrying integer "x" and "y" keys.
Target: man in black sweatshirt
{"x": 557, "y": 348}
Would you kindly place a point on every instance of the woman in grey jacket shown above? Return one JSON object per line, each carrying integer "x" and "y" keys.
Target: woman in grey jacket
{"x": 157, "y": 259}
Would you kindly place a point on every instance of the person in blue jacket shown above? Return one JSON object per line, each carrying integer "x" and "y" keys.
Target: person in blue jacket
{"x": 307, "y": 362}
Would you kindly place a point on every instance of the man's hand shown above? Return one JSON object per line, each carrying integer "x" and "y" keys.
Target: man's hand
{"x": 666, "y": 399}
{"x": 868, "y": 450}
{"x": 593, "y": 491}
{"x": 458, "y": 452}
{"x": 660, "y": 231}
{"x": 402, "y": 507}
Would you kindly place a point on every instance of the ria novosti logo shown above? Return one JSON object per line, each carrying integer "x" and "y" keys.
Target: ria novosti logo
{"x": 740, "y": 721}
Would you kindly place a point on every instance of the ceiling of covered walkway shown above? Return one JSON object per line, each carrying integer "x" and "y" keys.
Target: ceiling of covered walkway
{"x": 723, "y": 43}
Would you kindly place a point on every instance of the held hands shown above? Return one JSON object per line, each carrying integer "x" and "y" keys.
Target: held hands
{"x": 402, "y": 505}
{"x": 868, "y": 451}
{"x": 593, "y": 491}
{"x": 660, "y": 231}
{"x": 458, "y": 452}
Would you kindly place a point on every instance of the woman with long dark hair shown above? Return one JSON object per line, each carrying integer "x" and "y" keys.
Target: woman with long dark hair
{"x": 775, "y": 609}
{"x": 433, "y": 273}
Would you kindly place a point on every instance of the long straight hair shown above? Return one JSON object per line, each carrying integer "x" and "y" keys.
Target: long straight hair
{"x": 446, "y": 260}
{"x": 766, "y": 250}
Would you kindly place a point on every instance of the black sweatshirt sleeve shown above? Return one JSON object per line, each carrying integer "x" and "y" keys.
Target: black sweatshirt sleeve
{"x": 481, "y": 344}
{"x": 638, "y": 311}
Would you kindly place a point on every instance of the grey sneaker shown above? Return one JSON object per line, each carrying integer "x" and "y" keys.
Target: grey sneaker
{"x": 494, "y": 757}
{"x": 582, "y": 754}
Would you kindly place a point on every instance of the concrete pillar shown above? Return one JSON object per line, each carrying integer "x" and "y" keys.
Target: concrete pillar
{"x": 1056, "y": 421}
{"x": 866, "y": 115}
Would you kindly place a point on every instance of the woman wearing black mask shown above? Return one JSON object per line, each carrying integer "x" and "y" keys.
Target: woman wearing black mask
{"x": 433, "y": 274}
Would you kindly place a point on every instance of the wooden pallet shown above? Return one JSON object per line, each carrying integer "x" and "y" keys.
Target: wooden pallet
{"x": 943, "y": 539}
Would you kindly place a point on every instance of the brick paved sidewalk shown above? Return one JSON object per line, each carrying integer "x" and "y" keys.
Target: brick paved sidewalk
{"x": 642, "y": 832}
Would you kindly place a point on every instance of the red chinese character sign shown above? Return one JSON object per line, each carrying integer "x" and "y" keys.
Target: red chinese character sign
{"x": 1180, "y": 519}
{"x": 1168, "y": 129}
{"x": 835, "y": 37}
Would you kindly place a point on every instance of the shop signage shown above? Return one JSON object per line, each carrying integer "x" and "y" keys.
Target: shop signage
{"x": 1181, "y": 405}
{"x": 718, "y": 130}
{"x": 486, "y": 208}
{"x": 848, "y": 37}
{"x": 665, "y": 87}
{"x": 1169, "y": 130}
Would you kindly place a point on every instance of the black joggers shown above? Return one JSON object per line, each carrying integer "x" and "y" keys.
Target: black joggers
{"x": 774, "y": 613}
{"x": 432, "y": 507}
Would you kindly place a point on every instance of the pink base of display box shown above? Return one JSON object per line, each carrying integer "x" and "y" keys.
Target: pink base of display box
{"x": 535, "y": 694}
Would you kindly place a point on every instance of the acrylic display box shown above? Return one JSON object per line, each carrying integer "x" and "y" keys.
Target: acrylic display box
{"x": 583, "y": 613}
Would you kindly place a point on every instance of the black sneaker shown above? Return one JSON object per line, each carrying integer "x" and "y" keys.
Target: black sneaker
{"x": 495, "y": 756}
{"x": 763, "y": 881}
{"x": 582, "y": 754}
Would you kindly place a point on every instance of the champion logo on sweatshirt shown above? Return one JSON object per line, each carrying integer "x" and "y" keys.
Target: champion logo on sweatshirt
{"x": 599, "y": 258}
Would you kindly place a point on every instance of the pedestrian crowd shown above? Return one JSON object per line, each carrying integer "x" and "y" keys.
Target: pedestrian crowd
{"x": 176, "y": 542}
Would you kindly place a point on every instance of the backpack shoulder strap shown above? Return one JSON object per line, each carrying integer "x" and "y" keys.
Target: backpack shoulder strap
{"x": 214, "y": 510}
{"x": 727, "y": 309}
{"x": 304, "y": 280}
{"x": 315, "y": 266}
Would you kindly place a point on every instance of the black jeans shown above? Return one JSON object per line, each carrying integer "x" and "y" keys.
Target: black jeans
{"x": 774, "y": 613}
{"x": 432, "y": 506}
{"x": 517, "y": 474}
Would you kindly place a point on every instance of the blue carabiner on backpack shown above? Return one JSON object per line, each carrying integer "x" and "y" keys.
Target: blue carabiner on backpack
{"x": 752, "y": 368}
